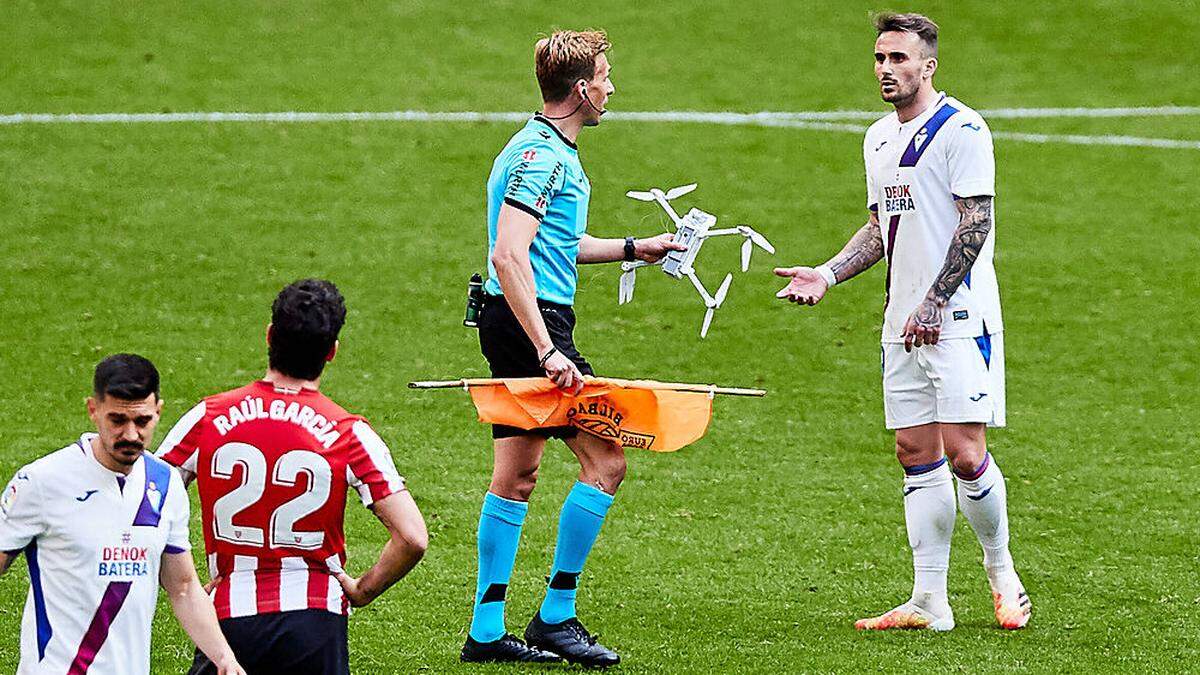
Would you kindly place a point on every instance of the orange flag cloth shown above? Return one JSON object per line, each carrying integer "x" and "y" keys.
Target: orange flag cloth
{"x": 629, "y": 412}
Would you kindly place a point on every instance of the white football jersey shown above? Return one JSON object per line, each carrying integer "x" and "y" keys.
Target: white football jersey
{"x": 93, "y": 547}
{"x": 915, "y": 171}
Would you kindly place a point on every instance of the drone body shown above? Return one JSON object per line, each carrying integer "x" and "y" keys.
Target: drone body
{"x": 691, "y": 230}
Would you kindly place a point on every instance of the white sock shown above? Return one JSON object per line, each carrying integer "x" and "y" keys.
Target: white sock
{"x": 984, "y": 501}
{"x": 929, "y": 517}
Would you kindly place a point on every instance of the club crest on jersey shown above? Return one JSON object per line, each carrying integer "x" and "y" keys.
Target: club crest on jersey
{"x": 154, "y": 497}
{"x": 898, "y": 198}
{"x": 528, "y": 155}
{"x": 920, "y": 138}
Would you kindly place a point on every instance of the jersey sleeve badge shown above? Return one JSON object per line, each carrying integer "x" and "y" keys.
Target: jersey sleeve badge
{"x": 8, "y": 498}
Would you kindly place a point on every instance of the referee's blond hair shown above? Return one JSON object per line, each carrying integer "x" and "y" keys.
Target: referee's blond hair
{"x": 566, "y": 57}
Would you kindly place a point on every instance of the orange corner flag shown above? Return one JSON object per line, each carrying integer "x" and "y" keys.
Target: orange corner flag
{"x": 634, "y": 413}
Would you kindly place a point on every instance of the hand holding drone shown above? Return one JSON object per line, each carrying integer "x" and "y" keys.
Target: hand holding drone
{"x": 691, "y": 231}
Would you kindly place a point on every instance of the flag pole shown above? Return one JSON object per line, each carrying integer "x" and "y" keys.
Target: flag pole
{"x": 640, "y": 384}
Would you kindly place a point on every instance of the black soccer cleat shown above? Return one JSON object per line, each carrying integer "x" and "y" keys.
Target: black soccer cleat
{"x": 571, "y": 641}
{"x": 508, "y": 649}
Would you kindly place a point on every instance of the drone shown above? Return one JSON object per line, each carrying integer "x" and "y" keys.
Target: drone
{"x": 691, "y": 230}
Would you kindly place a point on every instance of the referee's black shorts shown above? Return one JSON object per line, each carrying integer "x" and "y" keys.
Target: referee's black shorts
{"x": 510, "y": 353}
{"x": 301, "y": 642}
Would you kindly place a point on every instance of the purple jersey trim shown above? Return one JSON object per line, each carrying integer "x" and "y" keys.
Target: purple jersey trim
{"x": 914, "y": 151}
{"x": 44, "y": 630}
{"x": 97, "y": 632}
{"x": 893, "y": 225}
{"x": 154, "y": 495}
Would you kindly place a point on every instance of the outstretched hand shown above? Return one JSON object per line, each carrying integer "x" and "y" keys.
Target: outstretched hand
{"x": 806, "y": 287}
{"x": 656, "y": 248}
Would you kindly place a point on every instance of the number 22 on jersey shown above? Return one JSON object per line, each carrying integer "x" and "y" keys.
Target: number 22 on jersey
{"x": 290, "y": 470}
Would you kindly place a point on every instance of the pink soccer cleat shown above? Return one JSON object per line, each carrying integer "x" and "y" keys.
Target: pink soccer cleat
{"x": 1013, "y": 608}
{"x": 908, "y": 616}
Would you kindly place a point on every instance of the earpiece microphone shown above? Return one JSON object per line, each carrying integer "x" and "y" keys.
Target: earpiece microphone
{"x": 590, "y": 104}
{"x": 584, "y": 96}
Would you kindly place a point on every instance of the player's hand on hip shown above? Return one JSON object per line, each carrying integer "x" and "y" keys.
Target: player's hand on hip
{"x": 655, "y": 248}
{"x": 924, "y": 325}
{"x": 806, "y": 287}
{"x": 563, "y": 372}
{"x": 353, "y": 590}
{"x": 212, "y": 584}
{"x": 231, "y": 667}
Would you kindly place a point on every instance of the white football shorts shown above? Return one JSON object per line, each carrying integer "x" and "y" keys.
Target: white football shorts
{"x": 957, "y": 380}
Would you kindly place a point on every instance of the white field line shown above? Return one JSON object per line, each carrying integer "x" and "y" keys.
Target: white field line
{"x": 815, "y": 120}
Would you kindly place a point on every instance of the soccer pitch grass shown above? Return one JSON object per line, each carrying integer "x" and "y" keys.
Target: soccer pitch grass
{"x": 755, "y": 549}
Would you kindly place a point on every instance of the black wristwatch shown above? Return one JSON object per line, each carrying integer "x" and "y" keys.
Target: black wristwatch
{"x": 630, "y": 254}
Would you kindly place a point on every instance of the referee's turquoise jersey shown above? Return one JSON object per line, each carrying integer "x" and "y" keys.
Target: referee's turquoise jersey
{"x": 539, "y": 173}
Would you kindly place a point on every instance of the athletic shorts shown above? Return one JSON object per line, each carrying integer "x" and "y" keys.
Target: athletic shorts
{"x": 957, "y": 380}
{"x": 301, "y": 642}
{"x": 510, "y": 353}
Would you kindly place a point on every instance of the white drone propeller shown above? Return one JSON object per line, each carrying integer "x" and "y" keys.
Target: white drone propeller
{"x": 625, "y": 291}
{"x": 714, "y": 303}
{"x": 655, "y": 193}
{"x": 680, "y": 191}
{"x": 752, "y": 239}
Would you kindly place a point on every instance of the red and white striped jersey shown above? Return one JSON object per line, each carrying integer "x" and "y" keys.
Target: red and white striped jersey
{"x": 272, "y": 467}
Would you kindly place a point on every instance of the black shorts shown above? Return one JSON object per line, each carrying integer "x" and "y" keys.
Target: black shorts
{"x": 510, "y": 353}
{"x": 301, "y": 642}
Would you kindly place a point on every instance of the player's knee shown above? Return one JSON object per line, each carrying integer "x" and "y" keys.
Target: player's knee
{"x": 611, "y": 471}
{"x": 517, "y": 486}
{"x": 966, "y": 460}
{"x": 909, "y": 453}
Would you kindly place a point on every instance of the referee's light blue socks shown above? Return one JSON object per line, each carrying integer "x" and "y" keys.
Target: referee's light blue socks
{"x": 578, "y": 526}
{"x": 499, "y": 532}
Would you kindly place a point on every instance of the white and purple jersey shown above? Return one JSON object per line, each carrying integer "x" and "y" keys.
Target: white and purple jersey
{"x": 93, "y": 540}
{"x": 915, "y": 172}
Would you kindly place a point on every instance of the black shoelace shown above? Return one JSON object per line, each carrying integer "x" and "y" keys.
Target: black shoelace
{"x": 581, "y": 633}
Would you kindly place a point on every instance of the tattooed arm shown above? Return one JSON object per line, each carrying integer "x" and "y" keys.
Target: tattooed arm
{"x": 924, "y": 325}
{"x": 863, "y": 250}
{"x": 808, "y": 286}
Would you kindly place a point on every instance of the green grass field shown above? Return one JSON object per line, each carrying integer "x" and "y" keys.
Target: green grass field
{"x": 755, "y": 549}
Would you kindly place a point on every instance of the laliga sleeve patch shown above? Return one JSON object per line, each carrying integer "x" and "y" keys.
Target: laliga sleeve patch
{"x": 9, "y": 498}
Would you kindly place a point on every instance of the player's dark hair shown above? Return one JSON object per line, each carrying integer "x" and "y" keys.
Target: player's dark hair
{"x": 918, "y": 24}
{"x": 305, "y": 321}
{"x": 125, "y": 376}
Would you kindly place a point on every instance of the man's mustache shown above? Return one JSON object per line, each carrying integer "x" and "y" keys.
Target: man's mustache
{"x": 128, "y": 445}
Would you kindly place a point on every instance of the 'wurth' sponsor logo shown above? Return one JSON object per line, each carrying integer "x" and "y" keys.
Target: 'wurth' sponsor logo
{"x": 543, "y": 199}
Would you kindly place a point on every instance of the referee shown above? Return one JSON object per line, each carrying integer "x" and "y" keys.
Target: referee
{"x": 537, "y": 221}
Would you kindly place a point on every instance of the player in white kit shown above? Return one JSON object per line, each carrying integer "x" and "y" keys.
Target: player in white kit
{"x": 102, "y": 524}
{"x": 930, "y": 187}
